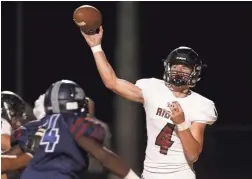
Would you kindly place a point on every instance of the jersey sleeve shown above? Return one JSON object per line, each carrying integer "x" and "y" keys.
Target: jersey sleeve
{"x": 89, "y": 128}
{"x": 142, "y": 83}
{"x": 207, "y": 114}
{"x": 145, "y": 85}
{"x": 107, "y": 134}
{"x": 5, "y": 127}
{"x": 20, "y": 136}
{"x": 23, "y": 133}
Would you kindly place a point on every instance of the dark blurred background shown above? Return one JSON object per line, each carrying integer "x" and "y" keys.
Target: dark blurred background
{"x": 41, "y": 44}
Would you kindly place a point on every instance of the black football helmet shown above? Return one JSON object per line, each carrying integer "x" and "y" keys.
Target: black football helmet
{"x": 12, "y": 106}
{"x": 188, "y": 57}
{"x": 65, "y": 96}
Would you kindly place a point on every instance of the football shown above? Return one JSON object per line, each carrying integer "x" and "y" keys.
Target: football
{"x": 88, "y": 18}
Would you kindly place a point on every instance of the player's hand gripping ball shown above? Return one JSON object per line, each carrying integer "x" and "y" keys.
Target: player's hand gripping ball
{"x": 88, "y": 18}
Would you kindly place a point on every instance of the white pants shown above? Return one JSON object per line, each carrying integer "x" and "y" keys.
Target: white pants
{"x": 186, "y": 174}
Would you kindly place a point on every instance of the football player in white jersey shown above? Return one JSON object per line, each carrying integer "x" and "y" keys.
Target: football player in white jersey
{"x": 12, "y": 111}
{"x": 176, "y": 116}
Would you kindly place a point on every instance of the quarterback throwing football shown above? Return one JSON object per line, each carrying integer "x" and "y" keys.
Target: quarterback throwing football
{"x": 176, "y": 116}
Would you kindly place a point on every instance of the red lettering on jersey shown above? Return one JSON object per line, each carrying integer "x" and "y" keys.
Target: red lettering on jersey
{"x": 167, "y": 115}
{"x": 164, "y": 138}
{"x": 159, "y": 111}
{"x": 163, "y": 113}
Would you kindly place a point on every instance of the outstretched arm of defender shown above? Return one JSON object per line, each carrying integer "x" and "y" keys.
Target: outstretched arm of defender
{"x": 106, "y": 157}
{"x": 121, "y": 87}
{"x": 90, "y": 136}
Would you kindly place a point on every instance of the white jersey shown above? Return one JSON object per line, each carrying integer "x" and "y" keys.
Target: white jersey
{"x": 5, "y": 128}
{"x": 164, "y": 152}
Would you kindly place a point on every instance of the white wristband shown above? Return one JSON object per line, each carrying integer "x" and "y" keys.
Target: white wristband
{"x": 131, "y": 175}
{"x": 8, "y": 156}
{"x": 182, "y": 126}
{"x": 96, "y": 48}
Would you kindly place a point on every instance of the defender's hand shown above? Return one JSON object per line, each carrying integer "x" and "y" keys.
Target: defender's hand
{"x": 95, "y": 39}
{"x": 177, "y": 113}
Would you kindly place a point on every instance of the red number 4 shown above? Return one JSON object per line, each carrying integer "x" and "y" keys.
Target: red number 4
{"x": 164, "y": 138}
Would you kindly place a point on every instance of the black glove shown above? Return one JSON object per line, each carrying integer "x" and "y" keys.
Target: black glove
{"x": 33, "y": 142}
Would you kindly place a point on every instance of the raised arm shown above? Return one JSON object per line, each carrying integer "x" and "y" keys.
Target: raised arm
{"x": 121, "y": 87}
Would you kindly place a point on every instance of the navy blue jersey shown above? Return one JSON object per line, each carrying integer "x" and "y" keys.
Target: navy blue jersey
{"x": 59, "y": 155}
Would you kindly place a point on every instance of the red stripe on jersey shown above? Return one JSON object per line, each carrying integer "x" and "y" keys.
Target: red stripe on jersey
{"x": 98, "y": 133}
{"x": 83, "y": 128}
{"x": 18, "y": 133}
{"x": 89, "y": 119}
{"x": 76, "y": 124}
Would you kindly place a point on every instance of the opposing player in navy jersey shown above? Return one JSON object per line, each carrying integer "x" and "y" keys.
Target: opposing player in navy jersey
{"x": 65, "y": 136}
{"x": 17, "y": 157}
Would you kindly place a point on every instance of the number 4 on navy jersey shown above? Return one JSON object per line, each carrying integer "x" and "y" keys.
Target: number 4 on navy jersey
{"x": 51, "y": 136}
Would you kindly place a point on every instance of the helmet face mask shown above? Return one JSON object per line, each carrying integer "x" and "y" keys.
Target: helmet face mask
{"x": 178, "y": 78}
{"x": 12, "y": 107}
{"x": 188, "y": 58}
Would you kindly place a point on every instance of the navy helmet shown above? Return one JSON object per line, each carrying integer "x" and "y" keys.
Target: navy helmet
{"x": 65, "y": 96}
